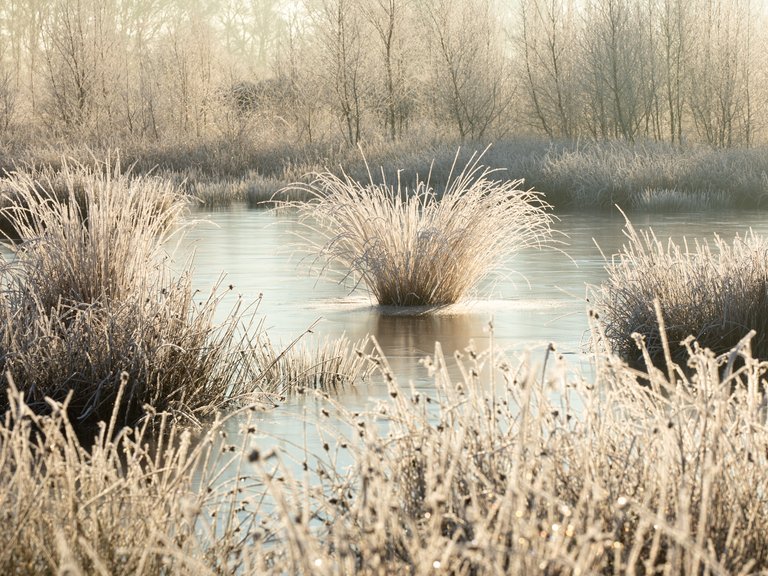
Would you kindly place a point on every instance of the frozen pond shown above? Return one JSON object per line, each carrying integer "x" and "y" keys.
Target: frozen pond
{"x": 540, "y": 299}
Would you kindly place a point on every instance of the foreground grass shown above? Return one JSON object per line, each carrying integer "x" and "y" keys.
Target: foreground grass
{"x": 715, "y": 292}
{"x": 417, "y": 247}
{"x": 499, "y": 472}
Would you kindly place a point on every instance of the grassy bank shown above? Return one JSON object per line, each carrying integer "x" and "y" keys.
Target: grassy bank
{"x": 647, "y": 176}
{"x": 501, "y": 472}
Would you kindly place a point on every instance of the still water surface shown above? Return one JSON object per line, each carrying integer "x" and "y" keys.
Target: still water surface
{"x": 541, "y": 299}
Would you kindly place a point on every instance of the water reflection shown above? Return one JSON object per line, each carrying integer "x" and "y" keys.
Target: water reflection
{"x": 416, "y": 335}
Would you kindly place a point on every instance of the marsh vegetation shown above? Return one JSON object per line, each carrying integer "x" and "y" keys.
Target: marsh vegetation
{"x": 136, "y": 435}
{"x": 420, "y": 246}
{"x": 95, "y": 317}
{"x": 710, "y": 292}
{"x": 502, "y": 471}
{"x": 504, "y": 463}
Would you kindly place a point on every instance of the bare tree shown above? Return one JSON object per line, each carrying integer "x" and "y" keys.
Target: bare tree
{"x": 141, "y": 23}
{"x": 547, "y": 39}
{"x": 296, "y": 67}
{"x": 719, "y": 91}
{"x": 338, "y": 29}
{"x": 8, "y": 82}
{"x": 614, "y": 48}
{"x": 251, "y": 31}
{"x": 388, "y": 19}
{"x": 675, "y": 34}
{"x": 77, "y": 38}
{"x": 470, "y": 72}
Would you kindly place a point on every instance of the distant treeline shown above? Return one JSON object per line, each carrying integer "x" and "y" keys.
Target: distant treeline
{"x": 308, "y": 71}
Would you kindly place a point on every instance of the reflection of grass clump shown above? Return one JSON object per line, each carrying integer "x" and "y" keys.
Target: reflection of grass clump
{"x": 415, "y": 247}
{"x": 89, "y": 303}
{"x": 716, "y": 293}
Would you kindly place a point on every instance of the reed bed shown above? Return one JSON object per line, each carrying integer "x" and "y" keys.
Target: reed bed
{"x": 603, "y": 174}
{"x": 572, "y": 174}
{"x": 715, "y": 292}
{"x": 512, "y": 468}
{"x": 524, "y": 475}
{"x": 327, "y": 364}
{"x": 89, "y": 303}
{"x": 673, "y": 200}
{"x": 251, "y": 188}
{"x": 418, "y": 247}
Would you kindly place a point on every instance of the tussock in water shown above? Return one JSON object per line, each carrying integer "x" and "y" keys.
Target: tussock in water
{"x": 90, "y": 304}
{"x": 715, "y": 292}
{"x": 415, "y": 247}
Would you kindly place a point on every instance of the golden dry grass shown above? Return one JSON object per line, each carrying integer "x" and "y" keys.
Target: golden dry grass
{"x": 416, "y": 247}
{"x": 89, "y": 296}
{"x": 714, "y": 291}
{"x": 501, "y": 471}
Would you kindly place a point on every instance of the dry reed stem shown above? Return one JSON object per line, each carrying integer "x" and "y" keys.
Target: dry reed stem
{"x": 329, "y": 364}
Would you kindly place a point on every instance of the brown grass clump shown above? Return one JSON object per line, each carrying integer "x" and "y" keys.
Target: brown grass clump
{"x": 714, "y": 292}
{"x": 413, "y": 247}
{"x": 89, "y": 297}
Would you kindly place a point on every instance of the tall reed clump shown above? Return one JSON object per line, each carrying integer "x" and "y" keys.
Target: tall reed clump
{"x": 91, "y": 308}
{"x": 415, "y": 246}
{"x": 716, "y": 292}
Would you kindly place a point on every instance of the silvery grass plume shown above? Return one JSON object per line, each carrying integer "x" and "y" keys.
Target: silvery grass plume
{"x": 416, "y": 247}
